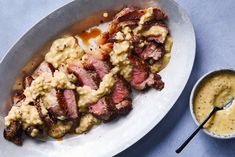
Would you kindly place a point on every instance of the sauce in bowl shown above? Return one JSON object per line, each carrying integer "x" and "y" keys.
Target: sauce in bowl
{"x": 216, "y": 90}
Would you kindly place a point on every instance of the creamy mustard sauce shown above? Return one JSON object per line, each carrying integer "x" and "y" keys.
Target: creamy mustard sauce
{"x": 86, "y": 122}
{"x": 59, "y": 129}
{"x": 119, "y": 57}
{"x": 156, "y": 31}
{"x": 148, "y": 15}
{"x": 216, "y": 90}
{"x": 89, "y": 96}
{"x": 26, "y": 113}
{"x": 64, "y": 51}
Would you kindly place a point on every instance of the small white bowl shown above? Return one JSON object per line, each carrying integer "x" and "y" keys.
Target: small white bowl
{"x": 193, "y": 92}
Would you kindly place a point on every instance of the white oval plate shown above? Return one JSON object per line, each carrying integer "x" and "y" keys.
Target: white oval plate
{"x": 149, "y": 108}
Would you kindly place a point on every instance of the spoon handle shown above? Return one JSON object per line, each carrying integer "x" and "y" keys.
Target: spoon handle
{"x": 196, "y": 131}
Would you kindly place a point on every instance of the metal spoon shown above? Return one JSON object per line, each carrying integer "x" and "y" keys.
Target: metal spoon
{"x": 215, "y": 109}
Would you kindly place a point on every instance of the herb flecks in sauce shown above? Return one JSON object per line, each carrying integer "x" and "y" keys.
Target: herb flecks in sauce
{"x": 216, "y": 90}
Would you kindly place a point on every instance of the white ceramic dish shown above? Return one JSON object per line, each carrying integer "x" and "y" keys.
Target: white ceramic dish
{"x": 195, "y": 88}
{"x": 149, "y": 108}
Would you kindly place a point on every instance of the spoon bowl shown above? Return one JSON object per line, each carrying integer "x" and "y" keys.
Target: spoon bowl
{"x": 227, "y": 105}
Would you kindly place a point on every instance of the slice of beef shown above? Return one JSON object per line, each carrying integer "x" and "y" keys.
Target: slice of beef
{"x": 71, "y": 104}
{"x": 159, "y": 14}
{"x": 54, "y": 106}
{"x": 120, "y": 90}
{"x": 140, "y": 71}
{"x": 83, "y": 76}
{"x": 124, "y": 107}
{"x": 47, "y": 119}
{"x": 128, "y": 14}
{"x": 141, "y": 78}
{"x": 102, "y": 109}
{"x": 27, "y": 81}
{"x": 154, "y": 80}
{"x": 101, "y": 67}
{"x": 158, "y": 83}
{"x": 137, "y": 40}
{"x": 95, "y": 77}
{"x": 18, "y": 97}
{"x": 152, "y": 51}
{"x": 14, "y": 132}
{"x": 45, "y": 68}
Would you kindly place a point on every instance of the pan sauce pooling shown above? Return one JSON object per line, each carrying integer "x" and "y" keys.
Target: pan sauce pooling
{"x": 217, "y": 90}
{"x": 74, "y": 89}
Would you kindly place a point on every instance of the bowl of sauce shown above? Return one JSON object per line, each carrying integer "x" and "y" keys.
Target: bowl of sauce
{"x": 215, "y": 89}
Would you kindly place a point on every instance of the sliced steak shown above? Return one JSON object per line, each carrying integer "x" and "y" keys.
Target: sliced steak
{"x": 159, "y": 14}
{"x": 128, "y": 14}
{"x": 158, "y": 83}
{"x": 27, "y": 81}
{"x": 44, "y": 115}
{"x": 13, "y": 133}
{"x": 120, "y": 90}
{"x": 71, "y": 103}
{"x": 140, "y": 71}
{"x": 101, "y": 67}
{"x": 95, "y": 77}
{"x": 102, "y": 109}
{"x": 54, "y": 106}
{"x": 124, "y": 107}
{"x": 152, "y": 51}
{"x": 141, "y": 78}
{"x": 45, "y": 68}
{"x": 83, "y": 76}
{"x": 154, "y": 80}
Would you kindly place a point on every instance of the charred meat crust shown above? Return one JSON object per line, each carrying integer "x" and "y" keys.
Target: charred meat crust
{"x": 47, "y": 119}
{"x": 124, "y": 107}
{"x": 106, "y": 110}
{"x": 128, "y": 14}
{"x": 102, "y": 109}
{"x": 14, "y": 132}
